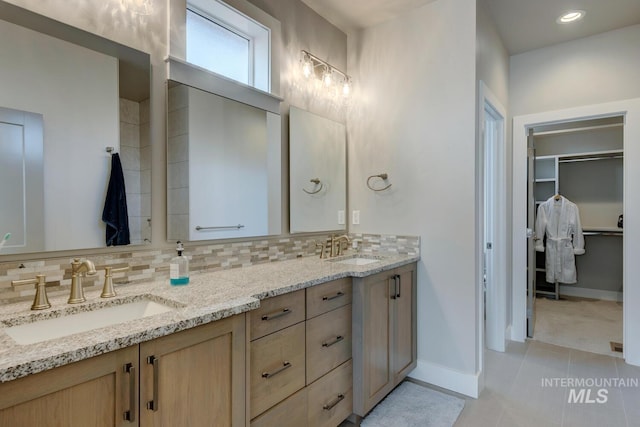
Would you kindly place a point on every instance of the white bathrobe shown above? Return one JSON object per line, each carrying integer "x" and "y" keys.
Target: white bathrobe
{"x": 559, "y": 220}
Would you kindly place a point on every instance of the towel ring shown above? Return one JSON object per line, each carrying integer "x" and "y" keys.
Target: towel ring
{"x": 382, "y": 176}
{"x": 316, "y": 182}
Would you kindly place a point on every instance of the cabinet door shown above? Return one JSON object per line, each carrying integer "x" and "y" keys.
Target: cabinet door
{"x": 100, "y": 391}
{"x": 373, "y": 378}
{"x": 404, "y": 323}
{"x": 195, "y": 377}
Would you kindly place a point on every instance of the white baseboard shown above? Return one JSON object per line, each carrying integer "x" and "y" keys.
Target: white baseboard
{"x": 450, "y": 379}
{"x": 574, "y": 291}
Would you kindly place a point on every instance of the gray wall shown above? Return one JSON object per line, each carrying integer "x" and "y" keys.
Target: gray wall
{"x": 492, "y": 67}
{"x": 416, "y": 121}
{"x": 587, "y": 71}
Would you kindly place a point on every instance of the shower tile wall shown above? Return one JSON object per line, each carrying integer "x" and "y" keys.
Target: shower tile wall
{"x": 135, "y": 154}
{"x": 177, "y": 164}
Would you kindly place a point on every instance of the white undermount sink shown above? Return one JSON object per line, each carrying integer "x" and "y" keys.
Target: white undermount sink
{"x": 358, "y": 260}
{"x": 57, "y": 327}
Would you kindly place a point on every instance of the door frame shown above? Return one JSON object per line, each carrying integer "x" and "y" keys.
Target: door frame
{"x": 493, "y": 331}
{"x": 630, "y": 109}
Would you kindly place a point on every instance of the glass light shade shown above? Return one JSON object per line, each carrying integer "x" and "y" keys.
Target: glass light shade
{"x": 326, "y": 78}
{"x": 307, "y": 67}
{"x": 346, "y": 88}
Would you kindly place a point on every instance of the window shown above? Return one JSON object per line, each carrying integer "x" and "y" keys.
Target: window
{"x": 227, "y": 42}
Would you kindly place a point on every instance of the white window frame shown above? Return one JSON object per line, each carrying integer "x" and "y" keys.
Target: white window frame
{"x": 259, "y": 37}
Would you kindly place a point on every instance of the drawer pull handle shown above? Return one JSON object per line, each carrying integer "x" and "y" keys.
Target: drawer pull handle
{"x": 332, "y": 297}
{"x": 130, "y": 415}
{"x": 285, "y": 365}
{"x": 277, "y": 314}
{"x": 335, "y": 341}
{"x": 330, "y": 406}
{"x": 153, "y": 404}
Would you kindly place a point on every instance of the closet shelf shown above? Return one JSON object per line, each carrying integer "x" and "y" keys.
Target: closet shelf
{"x": 593, "y": 155}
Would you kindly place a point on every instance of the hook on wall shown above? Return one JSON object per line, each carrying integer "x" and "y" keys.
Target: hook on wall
{"x": 316, "y": 182}
{"x": 383, "y": 177}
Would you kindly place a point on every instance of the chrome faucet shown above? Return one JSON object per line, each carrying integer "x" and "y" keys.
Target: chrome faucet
{"x": 78, "y": 271}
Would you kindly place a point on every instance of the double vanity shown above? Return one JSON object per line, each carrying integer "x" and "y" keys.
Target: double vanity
{"x": 307, "y": 341}
{"x": 297, "y": 342}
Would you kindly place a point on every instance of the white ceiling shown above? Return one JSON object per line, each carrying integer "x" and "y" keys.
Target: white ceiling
{"x": 522, "y": 24}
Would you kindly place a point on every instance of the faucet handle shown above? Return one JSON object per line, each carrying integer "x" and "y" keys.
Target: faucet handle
{"x": 40, "y": 301}
{"x": 107, "y": 289}
{"x": 322, "y": 248}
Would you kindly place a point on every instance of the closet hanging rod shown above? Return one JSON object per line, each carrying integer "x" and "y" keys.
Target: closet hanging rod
{"x": 588, "y": 159}
{"x": 581, "y": 129}
{"x": 602, "y": 233}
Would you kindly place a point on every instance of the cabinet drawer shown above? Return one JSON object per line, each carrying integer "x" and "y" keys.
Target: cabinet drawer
{"x": 291, "y": 412}
{"x": 328, "y": 296}
{"x": 328, "y": 342}
{"x": 330, "y": 399}
{"x": 277, "y": 313}
{"x": 277, "y": 367}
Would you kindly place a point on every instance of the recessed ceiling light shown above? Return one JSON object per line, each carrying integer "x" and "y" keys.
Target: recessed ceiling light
{"x": 571, "y": 16}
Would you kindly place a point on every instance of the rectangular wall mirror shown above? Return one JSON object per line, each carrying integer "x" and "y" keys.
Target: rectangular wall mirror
{"x": 224, "y": 167}
{"x": 317, "y": 173}
{"x": 77, "y": 94}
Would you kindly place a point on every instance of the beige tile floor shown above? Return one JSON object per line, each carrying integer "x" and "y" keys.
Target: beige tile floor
{"x": 579, "y": 323}
{"x": 514, "y": 395}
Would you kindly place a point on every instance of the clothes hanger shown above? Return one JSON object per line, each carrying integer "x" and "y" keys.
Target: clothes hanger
{"x": 557, "y": 197}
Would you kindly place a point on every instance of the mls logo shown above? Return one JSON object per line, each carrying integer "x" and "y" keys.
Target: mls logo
{"x": 583, "y": 395}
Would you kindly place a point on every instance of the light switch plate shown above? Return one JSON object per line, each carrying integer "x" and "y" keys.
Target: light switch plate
{"x": 355, "y": 218}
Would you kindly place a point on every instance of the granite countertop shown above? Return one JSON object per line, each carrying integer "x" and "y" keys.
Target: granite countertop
{"x": 209, "y": 296}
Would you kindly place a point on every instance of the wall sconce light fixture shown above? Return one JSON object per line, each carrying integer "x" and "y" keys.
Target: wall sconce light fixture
{"x": 331, "y": 77}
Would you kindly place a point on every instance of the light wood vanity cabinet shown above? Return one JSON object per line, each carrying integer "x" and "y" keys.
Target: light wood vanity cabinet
{"x": 320, "y": 394}
{"x": 193, "y": 377}
{"x": 384, "y": 334}
{"x": 93, "y": 392}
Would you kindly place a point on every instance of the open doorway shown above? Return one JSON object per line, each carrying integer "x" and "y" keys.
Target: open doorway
{"x": 578, "y": 258}
{"x": 630, "y": 111}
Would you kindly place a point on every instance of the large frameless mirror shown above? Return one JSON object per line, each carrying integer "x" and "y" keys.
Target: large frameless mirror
{"x": 68, "y": 100}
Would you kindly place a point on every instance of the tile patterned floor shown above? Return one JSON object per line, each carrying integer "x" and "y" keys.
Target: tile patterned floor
{"x": 515, "y": 397}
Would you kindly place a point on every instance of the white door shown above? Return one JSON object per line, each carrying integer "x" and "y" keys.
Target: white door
{"x": 531, "y": 253}
{"x": 21, "y": 181}
{"x": 494, "y": 251}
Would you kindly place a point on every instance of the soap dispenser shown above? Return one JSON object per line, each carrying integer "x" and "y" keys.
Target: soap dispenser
{"x": 179, "y": 268}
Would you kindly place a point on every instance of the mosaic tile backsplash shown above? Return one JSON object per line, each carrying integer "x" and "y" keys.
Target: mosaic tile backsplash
{"x": 148, "y": 264}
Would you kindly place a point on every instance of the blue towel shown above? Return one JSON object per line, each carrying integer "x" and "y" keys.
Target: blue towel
{"x": 115, "y": 213}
